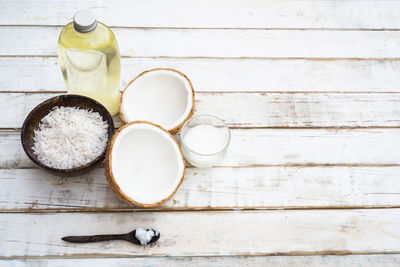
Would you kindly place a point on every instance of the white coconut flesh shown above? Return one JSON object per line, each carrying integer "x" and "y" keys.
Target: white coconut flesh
{"x": 163, "y": 97}
{"x": 146, "y": 163}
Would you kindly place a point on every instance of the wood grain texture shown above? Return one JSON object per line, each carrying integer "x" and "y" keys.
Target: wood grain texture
{"x": 388, "y": 260}
{"x": 218, "y": 43}
{"x": 275, "y": 64}
{"x": 207, "y": 233}
{"x": 255, "y": 147}
{"x": 260, "y": 109}
{"x": 210, "y": 14}
{"x": 216, "y": 188}
{"x": 237, "y": 75}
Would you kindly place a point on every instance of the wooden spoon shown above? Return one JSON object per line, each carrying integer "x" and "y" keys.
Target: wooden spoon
{"x": 139, "y": 236}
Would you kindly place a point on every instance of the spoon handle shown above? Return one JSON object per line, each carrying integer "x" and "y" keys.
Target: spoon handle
{"x": 94, "y": 238}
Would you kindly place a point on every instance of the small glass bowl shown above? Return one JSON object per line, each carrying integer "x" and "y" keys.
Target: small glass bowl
{"x": 202, "y": 153}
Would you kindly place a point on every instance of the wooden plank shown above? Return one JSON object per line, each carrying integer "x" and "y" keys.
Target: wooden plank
{"x": 388, "y": 260}
{"x": 262, "y": 75}
{"x": 283, "y": 146}
{"x": 269, "y": 147}
{"x": 295, "y": 232}
{"x": 216, "y": 188}
{"x": 218, "y": 43}
{"x": 260, "y": 109}
{"x": 210, "y": 14}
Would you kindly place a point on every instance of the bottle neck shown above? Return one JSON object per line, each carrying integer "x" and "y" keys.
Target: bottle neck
{"x": 81, "y": 29}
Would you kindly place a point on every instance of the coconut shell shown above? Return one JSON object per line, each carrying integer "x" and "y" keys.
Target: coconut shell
{"x": 110, "y": 177}
{"x": 177, "y": 128}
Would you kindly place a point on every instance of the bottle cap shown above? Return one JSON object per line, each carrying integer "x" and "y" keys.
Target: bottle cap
{"x": 84, "y": 21}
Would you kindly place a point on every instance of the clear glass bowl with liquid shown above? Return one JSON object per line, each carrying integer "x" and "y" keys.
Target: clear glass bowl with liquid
{"x": 204, "y": 140}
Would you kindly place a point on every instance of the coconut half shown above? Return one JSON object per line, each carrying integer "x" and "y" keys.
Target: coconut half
{"x": 162, "y": 96}
{"x": 144, "y": 164}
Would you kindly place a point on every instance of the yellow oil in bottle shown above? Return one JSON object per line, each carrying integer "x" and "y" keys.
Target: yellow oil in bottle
{"x": 90, "y": 61}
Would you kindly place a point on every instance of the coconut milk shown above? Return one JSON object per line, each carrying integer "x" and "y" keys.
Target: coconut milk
{"x": 204, "y": 145}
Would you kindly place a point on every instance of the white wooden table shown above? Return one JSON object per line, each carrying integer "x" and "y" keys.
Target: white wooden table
{"x": 311, "y": 91}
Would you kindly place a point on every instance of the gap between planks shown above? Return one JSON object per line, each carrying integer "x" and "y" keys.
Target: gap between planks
{"x": 17, "y": 129}
{"x": 228, "y": 261}
{"x": 211, "y": 28}
{"x": 244, "y": 255}
{"x": 161, "y": 209}
{"x": 288, "y": 165}
{"x": 229, "y": 92}
{"x": 232, "y": 58}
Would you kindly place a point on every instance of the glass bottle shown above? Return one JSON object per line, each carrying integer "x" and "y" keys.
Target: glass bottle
{"x": 90, "y": 62}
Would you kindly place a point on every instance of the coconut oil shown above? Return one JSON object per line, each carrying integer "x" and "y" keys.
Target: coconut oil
{"x": 204, "y": 140}
{"x": 90, "y": 62}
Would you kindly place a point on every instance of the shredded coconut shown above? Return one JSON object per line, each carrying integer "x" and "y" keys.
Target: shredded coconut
{"x": 144, "y": 235}
{"x": 70, "y": 137}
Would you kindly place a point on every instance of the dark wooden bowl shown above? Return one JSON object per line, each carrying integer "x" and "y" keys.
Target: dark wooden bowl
{"x": 31, "y": 124}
